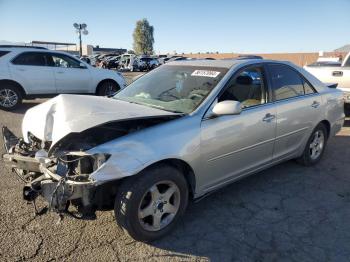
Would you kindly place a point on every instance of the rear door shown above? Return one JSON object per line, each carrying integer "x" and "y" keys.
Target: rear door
{"x": 298, "y": 109}
{"x": 32, "y": 71}
{"x": 70, "y": 76}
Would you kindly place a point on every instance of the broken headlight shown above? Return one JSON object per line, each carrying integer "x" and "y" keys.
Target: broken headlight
{"x": 79, "y": 165}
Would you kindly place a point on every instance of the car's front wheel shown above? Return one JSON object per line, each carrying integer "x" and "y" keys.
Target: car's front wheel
{"x": 10, "y": 98}
{"x": 148, "y": 205}
{"x": 315, "y": 146}
{"x": 107, "y": 88}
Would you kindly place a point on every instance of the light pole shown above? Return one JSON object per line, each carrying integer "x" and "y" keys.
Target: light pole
{"x": 80, "y": 28}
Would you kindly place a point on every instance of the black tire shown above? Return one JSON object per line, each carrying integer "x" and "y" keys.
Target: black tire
{"x": 131, "y": 193}
{"x": 306, "y": 159}
{"x": 107, "y": 88}
{"x": 14, "y": 90}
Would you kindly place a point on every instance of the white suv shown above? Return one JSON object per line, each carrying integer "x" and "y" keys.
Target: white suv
{"x": 31, "y": 72}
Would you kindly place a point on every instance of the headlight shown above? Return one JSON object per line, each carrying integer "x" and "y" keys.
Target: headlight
{"x": 80, "y": 164}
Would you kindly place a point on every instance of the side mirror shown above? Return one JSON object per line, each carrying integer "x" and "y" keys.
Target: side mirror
{"x": 227, "y": 107}
{"x": 82, "y": 65}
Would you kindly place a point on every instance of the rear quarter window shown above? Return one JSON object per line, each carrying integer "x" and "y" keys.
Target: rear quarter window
{"x": 2, "y": 53}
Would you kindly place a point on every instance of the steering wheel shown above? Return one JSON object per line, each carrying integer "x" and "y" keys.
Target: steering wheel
{"x": 167, "y": 93}
{"x": 197, "y": 94}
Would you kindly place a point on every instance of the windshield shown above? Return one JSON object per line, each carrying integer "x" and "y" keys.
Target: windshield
{"x": 178, "y": 89}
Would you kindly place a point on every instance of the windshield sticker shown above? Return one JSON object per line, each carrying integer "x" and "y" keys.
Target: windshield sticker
{"x": 206, "y": 73}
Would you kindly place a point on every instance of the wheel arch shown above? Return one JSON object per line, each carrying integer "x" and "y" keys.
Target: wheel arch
{"x": 183, "y": 167}
{"x": 327, "y": 124}
{"x": 100, "y": 83}
{"x": 13, "y": 83}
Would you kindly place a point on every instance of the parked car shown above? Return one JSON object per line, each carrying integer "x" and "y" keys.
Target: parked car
{"x": 86, "y": 59}
{"x": 177, "y": 133}
{"x": 330, "y": 72}
{"x": 113, "y": 62}
{"x": 144, "y": 64}
{"x": 325, "y": 64}
{"x": 177, "y": 58}
{"x": 126, "y": 62}
{"x": 27, "y": 73}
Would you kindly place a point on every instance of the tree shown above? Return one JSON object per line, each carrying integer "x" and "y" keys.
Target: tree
{"x": 143, "y": 38}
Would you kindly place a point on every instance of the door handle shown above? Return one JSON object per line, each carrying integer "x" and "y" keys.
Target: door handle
{"x": 268, "y": 117}
{"x": 337, "y": 73}
{"x": 21, "y": 69}
{"x": 60, "y": 72}
{"x": 315, "y": 104}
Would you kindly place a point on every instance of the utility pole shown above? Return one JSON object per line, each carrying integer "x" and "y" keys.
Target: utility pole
{"x": 80, "y": 28}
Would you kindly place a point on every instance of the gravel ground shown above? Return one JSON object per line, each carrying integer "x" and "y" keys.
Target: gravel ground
{"x": 286, "y": 213}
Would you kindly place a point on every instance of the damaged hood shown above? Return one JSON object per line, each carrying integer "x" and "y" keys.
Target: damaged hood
{"x": 64, "y": 114}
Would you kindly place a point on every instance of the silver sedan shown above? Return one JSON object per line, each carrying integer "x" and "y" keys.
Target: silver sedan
{"x": 177, "y": 133}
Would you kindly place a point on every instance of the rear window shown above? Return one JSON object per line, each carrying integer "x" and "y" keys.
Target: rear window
{"x": 2, "y": 53}
{"x": 31, "y": 58}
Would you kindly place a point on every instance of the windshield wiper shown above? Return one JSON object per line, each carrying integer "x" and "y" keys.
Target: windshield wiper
{"x": 163, "y": 108}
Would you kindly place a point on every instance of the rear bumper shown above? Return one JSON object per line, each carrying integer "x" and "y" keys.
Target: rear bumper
{"x": 337, "y": 126}
{"x": 346, "y": 96}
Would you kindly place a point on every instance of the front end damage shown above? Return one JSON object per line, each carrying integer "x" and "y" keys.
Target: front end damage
{"x": 61, "y": 179}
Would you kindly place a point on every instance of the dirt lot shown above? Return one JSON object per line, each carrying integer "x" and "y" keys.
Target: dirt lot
{"x": 286, "y": 213}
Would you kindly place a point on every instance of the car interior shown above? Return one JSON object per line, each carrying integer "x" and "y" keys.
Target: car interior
{"x": 247, "y": 88}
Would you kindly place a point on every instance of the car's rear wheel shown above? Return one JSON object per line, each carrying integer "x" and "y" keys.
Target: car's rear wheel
{"x": 107, "y": 88}
{"x": 148, "y": 205}
{"x": 315, "y": 146}
{"x": 10, "y": 98}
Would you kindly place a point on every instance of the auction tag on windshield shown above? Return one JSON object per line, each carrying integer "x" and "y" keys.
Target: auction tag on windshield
{"x": 206, "y": 73}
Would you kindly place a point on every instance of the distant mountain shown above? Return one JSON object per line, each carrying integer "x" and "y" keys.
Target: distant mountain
{"x": 345, "y": 48}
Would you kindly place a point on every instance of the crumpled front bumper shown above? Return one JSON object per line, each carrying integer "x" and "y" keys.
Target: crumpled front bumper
{"x": 57, "y": 190}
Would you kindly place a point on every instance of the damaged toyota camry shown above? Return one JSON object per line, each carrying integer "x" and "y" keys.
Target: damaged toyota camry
{"x": 177, "y": 133}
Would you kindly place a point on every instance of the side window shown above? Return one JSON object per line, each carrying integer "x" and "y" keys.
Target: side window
{"x": 247, "y": 87}
{"x": 308, "y": 89}
{"x": 30, "y": 58}
{"x": 286, "y": 82}
{"x": 64, "y": 61}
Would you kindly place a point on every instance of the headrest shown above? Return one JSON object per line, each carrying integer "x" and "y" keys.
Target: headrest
{"x": 244, "y": 80}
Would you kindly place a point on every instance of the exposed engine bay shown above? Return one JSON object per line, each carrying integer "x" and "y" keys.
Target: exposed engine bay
{"x": 61, "y": 173}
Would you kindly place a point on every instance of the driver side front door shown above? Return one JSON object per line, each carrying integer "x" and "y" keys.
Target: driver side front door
{"x": 235, "y": 145}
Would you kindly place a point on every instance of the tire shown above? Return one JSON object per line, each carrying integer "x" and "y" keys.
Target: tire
{"x": 309, "y": 156}
{"x": 107, "y": 88}
{"x": 134, "y": 200}
{"x": 10, "y": 97}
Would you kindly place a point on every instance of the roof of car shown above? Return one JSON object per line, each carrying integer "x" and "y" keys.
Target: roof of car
{"x": 19, "y": 47}
{"x": 33, "y": 49}
{"x": 227, "y": 63}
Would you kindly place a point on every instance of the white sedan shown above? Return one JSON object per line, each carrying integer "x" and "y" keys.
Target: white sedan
{"x": 31, "y": 72}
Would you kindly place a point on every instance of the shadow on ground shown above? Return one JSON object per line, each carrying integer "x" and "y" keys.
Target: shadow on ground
{"x": 286, "y": 212}
{"x": 26, "y": 105}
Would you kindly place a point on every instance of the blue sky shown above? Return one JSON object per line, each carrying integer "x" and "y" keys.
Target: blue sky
{"x": 250, "y": 26}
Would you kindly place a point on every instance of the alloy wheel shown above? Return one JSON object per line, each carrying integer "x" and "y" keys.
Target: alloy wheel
{"x": 316, "y": 145}
{"x": 110, "y": 89}
{"x": 8, "y": 98}
{"x": 159, "y": 206}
